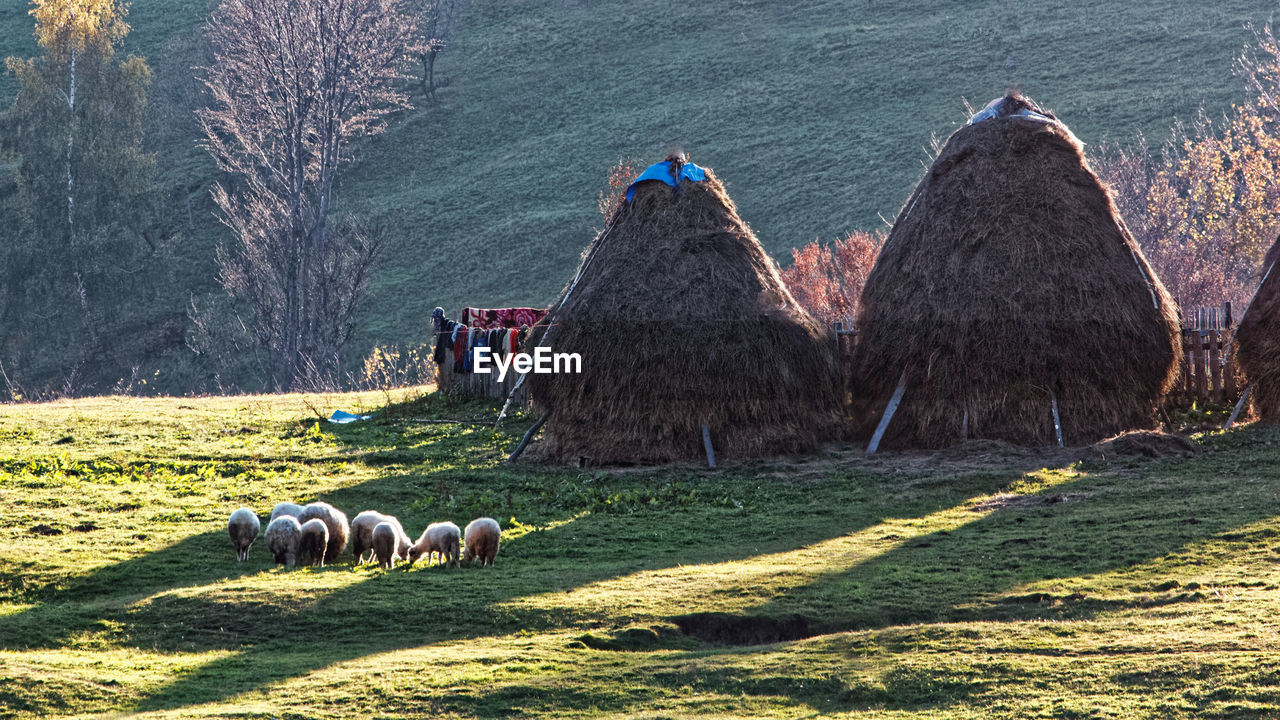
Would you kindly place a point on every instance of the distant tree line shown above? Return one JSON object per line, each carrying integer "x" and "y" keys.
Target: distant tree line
{"x": 290, "y": 88}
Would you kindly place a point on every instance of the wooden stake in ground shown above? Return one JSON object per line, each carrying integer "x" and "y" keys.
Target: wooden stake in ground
{"x": 527, "y": 437}
{"x": 889, "y": 410}
{"x": 1057, "y": 421}
{"x": 706, "y": 444}
{"x": 1244, "y": 398}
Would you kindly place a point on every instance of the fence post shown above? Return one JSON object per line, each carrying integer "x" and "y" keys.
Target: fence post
{"x": 1215, "y": 363}
{"x": 1188, "y": 366}
{"x": 1202, "y": 387}
{"x": 1228, "y": 357}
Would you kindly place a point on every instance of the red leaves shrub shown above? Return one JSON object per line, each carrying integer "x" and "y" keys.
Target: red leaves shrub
{"x": 827, "y": 279}
{"x": 620, "y": 176}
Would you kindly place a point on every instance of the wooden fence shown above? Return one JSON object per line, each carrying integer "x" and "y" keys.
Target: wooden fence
{"x": 1208, "y": 370}
{"x": 484, "y": 385}
{"x": 481, "y": 385}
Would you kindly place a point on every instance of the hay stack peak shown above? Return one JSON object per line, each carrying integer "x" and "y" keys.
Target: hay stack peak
{"x": 680, "y": 317}
{"x": 1009, "y": 281}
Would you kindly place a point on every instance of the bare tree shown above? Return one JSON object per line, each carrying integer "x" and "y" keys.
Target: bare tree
{"x": 292, "y": 85}
{"x": 437, "y": 24}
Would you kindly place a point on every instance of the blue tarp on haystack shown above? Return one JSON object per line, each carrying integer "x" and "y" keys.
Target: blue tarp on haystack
{"x": 662, "y": 171}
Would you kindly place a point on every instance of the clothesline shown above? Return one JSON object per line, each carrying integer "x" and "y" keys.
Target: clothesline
{"x": 463, "y": 341}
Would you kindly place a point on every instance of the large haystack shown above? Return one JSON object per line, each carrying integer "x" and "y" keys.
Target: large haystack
{"x": 1010, "y": 280}
{"x": 680, "y": 316}
{"x": 1258, "y": 340}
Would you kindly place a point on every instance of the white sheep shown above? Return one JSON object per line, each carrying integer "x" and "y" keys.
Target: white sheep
{"x": 482, "y": 537}
{"x": 362, "y": 534}
{"x": 313, "y": 541}
{"x": 335, "y": 521}
{"x": 243, "y": 527}
{"x": 386, "y": 544}
{"x": 285, "y": 508}
{"x": 283, "y": 536}
{"x": 441, "y": 537}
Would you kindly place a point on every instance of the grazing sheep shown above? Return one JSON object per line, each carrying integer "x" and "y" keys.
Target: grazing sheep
{"x": 313, "y": 542}
{"x": 285, "y": 508}
{"x": 482, "y": 536}
{"x": 283, "y": 536}
{"x": 362, "y": 534}
{"x": 386, "y": 544}
{"x": 243, "y": 527}
{"x": 335, "y": 520}
{"x": 441, "y": 537}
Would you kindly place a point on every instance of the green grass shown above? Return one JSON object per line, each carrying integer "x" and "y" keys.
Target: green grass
{"x": 909, "y": 585}
{"x": 817, "y": 114}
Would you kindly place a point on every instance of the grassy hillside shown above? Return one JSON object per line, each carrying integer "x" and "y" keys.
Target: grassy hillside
{"x": 982, "y": 583}
{"x": 817, "y": 113}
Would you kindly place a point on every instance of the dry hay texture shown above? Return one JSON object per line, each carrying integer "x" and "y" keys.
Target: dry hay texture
{"x": 680, "y": 316}
{"x": 1009, "y": 276}
{"x": 1258, "y": 340}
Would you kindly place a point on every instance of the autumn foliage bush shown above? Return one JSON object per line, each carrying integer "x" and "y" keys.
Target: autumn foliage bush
{"x": 827, "y": 279}
{"x": 1205, "y": 205}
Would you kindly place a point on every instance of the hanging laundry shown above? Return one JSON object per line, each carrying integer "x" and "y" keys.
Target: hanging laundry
{"x": 459, "y": 345}
{"x": 444, "y": 336}
{"x": 469, "y": 358}
{"x": 501, "y": 317}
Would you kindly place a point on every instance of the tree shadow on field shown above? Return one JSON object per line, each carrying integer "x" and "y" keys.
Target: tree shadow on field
{"x": 399, "y": 610}
{"x": 1116, "y": 515}
{"x": 1127, "y": 518}
{"x": 157, "y": 601}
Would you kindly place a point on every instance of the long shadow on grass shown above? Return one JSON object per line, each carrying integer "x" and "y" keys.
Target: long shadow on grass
{"x": 398, "y": 610}
{"x": 1118, "y": 518}
{"x": 276, "y": 638}
{"x": 96, "y": 602}
{"x": 1131, "y": 513}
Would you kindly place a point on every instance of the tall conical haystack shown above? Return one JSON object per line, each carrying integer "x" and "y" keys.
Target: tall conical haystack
{"x": 1010, "y": 280}
{"x": 1258, "y": 340}
{"x": 681, "y": 317}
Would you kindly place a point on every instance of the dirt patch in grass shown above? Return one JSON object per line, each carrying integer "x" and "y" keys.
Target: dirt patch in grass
{"x": 727, "y": 629}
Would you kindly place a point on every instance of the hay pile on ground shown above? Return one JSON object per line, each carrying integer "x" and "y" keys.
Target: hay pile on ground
{"x": 680, "y": 316}
{"x": 1009, "y": 278}
{"x": 1258, "y": 340}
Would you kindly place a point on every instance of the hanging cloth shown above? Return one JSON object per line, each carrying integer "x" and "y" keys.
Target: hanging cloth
{"x": 489, "y": 318}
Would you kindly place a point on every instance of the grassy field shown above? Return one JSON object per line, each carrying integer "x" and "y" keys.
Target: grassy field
{"x": 959, "y": 584}
{"x": 818, "y": 114}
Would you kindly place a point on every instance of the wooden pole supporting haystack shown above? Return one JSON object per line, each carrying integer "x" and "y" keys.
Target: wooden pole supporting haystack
{"x": 551, "y": 315}
{"x": 1057, "y": 421}
{"x": 889, "y": 410}
{"x": 527, "y": 437}
{"x": 706, "y": 445}
{"x": 1244, "y": 398}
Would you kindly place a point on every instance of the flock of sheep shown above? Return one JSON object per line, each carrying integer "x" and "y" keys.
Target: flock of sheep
{"x": 316, "y": 534}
